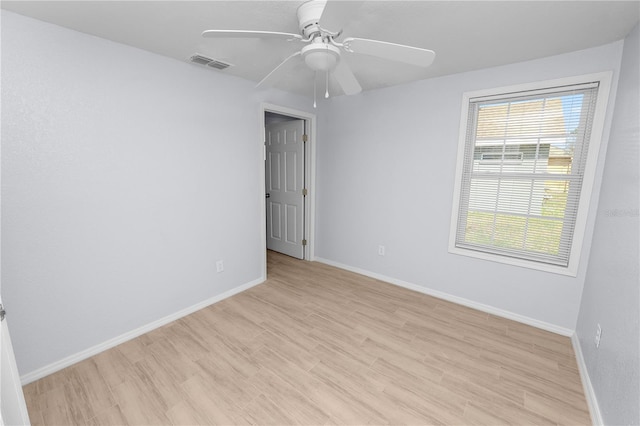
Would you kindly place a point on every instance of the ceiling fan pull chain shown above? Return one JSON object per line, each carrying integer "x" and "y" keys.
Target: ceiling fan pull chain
{"x": 315, "y": 77}
{"x": 326, "y": 94}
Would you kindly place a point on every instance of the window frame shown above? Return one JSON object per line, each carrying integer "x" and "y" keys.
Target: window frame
{"x": 597, "y": 135}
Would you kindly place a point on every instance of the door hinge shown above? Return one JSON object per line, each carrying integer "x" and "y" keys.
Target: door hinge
{"x": 305, "y": 138}
{"x": 304, "y": 242}
{"x": 304, "y": 192}
{"x": 3, "y": 313}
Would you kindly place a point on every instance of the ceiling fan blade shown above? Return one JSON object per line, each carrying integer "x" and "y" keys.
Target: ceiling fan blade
{"x": 394, "y": 52}
{"x": 249, "y": 34}
{"x": 337, "y": 14}
{"x": 279, "y": 71}
{"x": 345, "y": 78}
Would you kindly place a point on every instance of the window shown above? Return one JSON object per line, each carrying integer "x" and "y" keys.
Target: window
{"x": 526, "y": 165}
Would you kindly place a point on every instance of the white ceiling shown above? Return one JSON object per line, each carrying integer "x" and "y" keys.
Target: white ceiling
{"x": 466, "y": 35}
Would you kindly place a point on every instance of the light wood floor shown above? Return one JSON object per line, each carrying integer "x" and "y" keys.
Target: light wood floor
{"x": 320, "y": 346}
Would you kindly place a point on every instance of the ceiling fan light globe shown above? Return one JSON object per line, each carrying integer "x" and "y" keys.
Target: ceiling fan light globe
{"x": 321, "y": 56}
{"x": 321, "y": 61}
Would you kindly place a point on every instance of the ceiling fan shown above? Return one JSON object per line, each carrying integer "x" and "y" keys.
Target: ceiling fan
{"x": 321, "y": 23}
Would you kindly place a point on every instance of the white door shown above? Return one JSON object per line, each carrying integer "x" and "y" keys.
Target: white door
{"x": 284, "y": 185}
{"x": 14, "y": 408}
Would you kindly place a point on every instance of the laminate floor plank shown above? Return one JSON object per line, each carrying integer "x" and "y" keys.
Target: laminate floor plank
{"x": 316, "y": 345}
{"x": 298, "y": 406}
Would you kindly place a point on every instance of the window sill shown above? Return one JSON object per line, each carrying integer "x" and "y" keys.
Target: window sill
{"x": 570, "y": 270}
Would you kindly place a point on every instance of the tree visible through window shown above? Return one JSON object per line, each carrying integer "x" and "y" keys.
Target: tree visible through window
{"x": 522, "y": 172}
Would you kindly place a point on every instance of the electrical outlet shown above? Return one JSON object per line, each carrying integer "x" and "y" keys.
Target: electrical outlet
{"x": 219, "y": 266}
{"x": 380, "y": 250}
{"x": 598, "y": 336}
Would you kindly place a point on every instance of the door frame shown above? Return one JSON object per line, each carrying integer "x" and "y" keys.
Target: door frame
{"x": 309, "y": 177}
{"x": 13, "y": 407}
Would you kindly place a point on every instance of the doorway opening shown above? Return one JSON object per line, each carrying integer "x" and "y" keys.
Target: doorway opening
{"x": 289, "y": 181}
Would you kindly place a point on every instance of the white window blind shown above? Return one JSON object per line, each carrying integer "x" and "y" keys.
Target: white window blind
{"x": 522, "y": 172}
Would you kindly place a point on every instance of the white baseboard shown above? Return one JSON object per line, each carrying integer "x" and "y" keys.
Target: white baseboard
{"x": 94, "y": 350}
{"x": 455, "y": 299}
{"x": 589, "y": 393}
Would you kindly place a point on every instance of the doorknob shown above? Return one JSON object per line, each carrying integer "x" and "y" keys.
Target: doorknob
{"x": 268, "y": 195}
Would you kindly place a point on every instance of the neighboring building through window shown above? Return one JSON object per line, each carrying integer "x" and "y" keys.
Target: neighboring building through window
{"x": 526, "y": 166}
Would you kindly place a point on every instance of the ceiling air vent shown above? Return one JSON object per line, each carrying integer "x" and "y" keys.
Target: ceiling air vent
{"x": 213, "y": 63}
{"x": 218, "y": 65}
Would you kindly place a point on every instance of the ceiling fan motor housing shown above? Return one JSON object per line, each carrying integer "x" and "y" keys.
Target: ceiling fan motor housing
{"x": 309, "y": 14}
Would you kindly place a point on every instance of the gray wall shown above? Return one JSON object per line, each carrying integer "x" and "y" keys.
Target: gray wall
{"x": 125, "y": 176}
{"x": 611, "y": 297}
{"x": 386, "y": 168}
